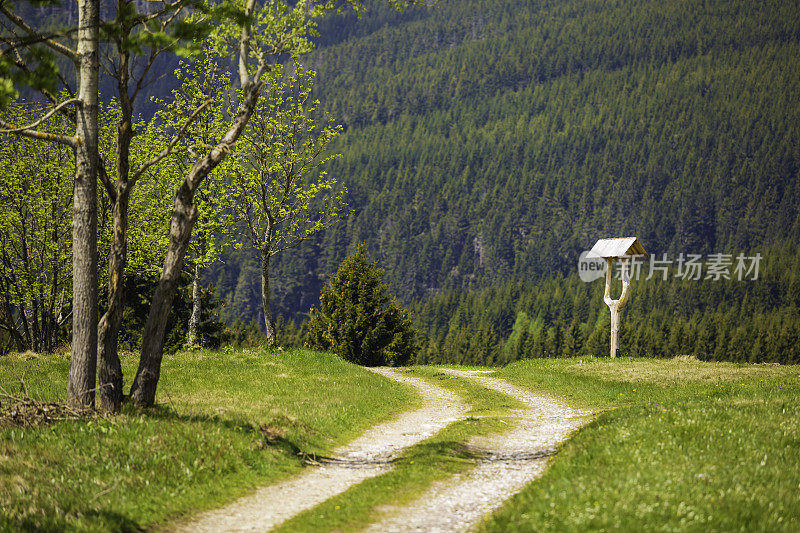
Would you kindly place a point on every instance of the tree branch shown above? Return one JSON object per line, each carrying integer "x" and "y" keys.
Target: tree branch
{"x": 105, "y": 179}
{"x": 244, "y": 44}
{"x": 33, "y": 134}
{"x": 56, "y": 109}
{"x": 55, "y": 45}
{"x": 177, "y": 137}
{"x": 18, "y": 61}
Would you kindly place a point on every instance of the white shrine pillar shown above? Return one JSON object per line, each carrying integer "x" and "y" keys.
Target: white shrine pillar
{"x": 625, "y": 249}
{"x": 615, "y": 306}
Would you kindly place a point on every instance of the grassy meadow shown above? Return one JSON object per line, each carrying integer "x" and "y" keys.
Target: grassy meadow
{"x": 678, "y": 445}
{"x": 226, "y": 422}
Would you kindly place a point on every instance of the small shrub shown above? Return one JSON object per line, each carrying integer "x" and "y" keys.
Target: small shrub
{"x": 358, "y": 320}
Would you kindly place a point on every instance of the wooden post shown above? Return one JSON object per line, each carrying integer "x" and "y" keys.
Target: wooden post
{"x": 615, "y": 305}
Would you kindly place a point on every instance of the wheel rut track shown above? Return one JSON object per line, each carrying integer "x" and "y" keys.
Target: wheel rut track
{"x": 506, "y": 463}
{"x": 368, "y": 456}
{"x": 511, "y": 460}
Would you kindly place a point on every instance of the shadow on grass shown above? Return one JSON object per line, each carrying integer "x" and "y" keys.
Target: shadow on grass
{"x": 449, "y": 450}
{"x": 75, "y": 511}
{"x": 102, "y": 519}
{"x": 271, "y": 434}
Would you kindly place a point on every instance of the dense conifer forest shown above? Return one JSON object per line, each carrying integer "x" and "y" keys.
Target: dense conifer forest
{"x": 488, "y": 143}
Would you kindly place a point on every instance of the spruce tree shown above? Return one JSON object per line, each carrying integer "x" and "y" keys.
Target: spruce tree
{"x": 358, "y": 320}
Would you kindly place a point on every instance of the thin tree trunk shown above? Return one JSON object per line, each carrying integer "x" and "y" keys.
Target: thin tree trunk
{"x": 23, "y": 314}
{"x": 83, "y": 363}
{"x": 269, "y": 321}
{"x": 52, "y": 326}
{"x": 109, "y": 366}
{"x": 12, "y": 282}
{"x": 8, "y": 319}
{"x": 30, "y": 333}
{"x": 194, "y": 320}
{"x": 37, "y": 334}
{"x": 184, "y": 215}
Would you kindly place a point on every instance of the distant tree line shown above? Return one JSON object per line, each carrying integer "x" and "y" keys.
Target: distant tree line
{"x": 751, "y": 321}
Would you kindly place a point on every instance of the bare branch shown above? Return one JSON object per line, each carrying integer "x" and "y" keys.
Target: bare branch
{"x": 56, "y": 109}
{"x": 174, "y": 15}
{"x": 156, "y": 14}
{"x": 33, "y": 134}
{"x": 140, "y": 84}
{"x": 64, "y": 318}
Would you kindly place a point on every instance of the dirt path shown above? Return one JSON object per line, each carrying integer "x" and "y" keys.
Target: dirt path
{"x": 514, "y": 459}
{"x": 365, "y": 457}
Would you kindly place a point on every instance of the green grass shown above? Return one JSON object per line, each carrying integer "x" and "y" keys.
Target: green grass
{"x": 202, "y": 446}
{"x": 679, "y": 445}
{"x": 434, "y": 459}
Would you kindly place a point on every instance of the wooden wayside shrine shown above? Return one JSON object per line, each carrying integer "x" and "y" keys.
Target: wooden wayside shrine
{"x": 611, "y": 250}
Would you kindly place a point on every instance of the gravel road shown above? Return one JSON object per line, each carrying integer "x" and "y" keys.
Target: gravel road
{"x": 363, "y": 458}
{"x": 513, "y": 460}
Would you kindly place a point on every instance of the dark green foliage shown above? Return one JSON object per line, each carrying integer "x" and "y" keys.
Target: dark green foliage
{"x": 212, "y": 330}
{"x": 358, "y": 320}
{"x": 752, "y": 321}
{"x": 246, "y": 335}
{"x": 494, "y": 141}
{"x": 139, "y": 288}
{"x": 289, "y": 335}
{"x": 488, "y": 143}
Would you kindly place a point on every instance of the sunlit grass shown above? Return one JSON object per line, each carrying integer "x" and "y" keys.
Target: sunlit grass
{"x": 676, "y": 371}
{"x": 679, "y": 445}
{"x": 226, "y": 422}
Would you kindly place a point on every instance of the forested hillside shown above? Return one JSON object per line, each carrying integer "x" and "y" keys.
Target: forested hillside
{"x": 488, "y": 142}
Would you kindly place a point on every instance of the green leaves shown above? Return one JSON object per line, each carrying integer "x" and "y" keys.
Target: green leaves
{"x": 280, "y": 192}
{"x": 190, "y": 34}
{"x": 8, "y": 92}
{"x": 35, "y": 229}
{"x": 40, "y": 73}
{"x": 203, "y": 80}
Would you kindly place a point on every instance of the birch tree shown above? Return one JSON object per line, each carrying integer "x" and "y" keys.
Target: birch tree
{"x": 130, "y": 35}
{"x": 18, "y": 36}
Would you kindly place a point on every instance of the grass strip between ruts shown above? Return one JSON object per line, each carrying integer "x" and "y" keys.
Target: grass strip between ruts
{"x": 437, "y": 458}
